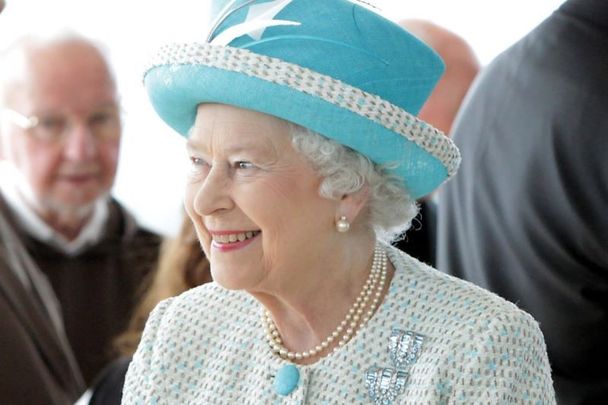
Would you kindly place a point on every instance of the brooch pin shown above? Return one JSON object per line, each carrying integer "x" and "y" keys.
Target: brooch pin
{"x": 384, "y": 384}
{"x": 403, "y": 348}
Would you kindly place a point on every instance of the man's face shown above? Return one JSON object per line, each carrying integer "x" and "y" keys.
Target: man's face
{"x": 71, "y": 92}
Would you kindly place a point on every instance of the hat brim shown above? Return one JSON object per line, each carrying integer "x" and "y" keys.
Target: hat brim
{"x": 176, "y": 90}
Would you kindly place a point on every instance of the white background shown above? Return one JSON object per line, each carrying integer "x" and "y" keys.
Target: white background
{"x": 153, "y": 161}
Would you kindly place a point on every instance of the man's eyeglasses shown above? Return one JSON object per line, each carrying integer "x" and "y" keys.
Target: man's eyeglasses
{"x": 104, "y": 124}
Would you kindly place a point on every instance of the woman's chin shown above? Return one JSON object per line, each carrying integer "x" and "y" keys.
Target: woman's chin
{"x": 227, "y": 279}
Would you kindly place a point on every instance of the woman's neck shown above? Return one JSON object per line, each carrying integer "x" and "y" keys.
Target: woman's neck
{"x": 308, "y": 311}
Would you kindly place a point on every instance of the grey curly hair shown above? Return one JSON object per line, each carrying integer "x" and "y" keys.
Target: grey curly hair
{"x": 345, "y": 171}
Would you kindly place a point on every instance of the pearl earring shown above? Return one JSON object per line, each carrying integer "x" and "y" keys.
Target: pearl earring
{"x": 342, "y": 224}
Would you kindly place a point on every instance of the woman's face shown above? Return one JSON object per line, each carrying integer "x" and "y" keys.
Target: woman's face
{"x": 254, "y": 200}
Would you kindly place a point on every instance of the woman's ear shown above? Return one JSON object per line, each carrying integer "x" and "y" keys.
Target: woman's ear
{"x": 352, "y": 204}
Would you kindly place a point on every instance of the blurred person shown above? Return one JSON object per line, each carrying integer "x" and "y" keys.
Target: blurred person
{"x": 181, "y": 266}
{"x": 461, "y": 68}
{"x": 307, "y": 158}
{"x": 2, "y": 4}
{"x": 440, "y": 109}
{"x": 72, "y": 256}
{"x": 526, "y": 216}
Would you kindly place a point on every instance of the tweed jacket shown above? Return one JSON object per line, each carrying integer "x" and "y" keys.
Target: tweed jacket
{"x": 208, "y": 346}
{"x": 96, "y": 291}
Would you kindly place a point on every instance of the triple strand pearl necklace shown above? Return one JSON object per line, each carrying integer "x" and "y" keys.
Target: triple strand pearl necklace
{"x": 355, "y": 318}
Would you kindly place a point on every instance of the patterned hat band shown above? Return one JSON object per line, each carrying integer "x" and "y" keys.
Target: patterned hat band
{"x": 321, "y": 86}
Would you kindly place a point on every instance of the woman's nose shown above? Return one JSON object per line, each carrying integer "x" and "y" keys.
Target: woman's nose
{"x": 213, "y": 192}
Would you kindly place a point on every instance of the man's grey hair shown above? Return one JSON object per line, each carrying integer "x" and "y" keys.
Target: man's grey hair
{"x": 14, "y": 58}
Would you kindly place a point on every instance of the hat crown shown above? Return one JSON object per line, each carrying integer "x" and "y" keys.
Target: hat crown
{"x": 367, "y": 51}
{"x": 332, "y": 66}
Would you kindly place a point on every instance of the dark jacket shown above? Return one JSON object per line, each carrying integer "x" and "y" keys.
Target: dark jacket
{"x": 96, "y": 290}
{"x": 527, "y": 214}
{"x": 420, "y": 240}
{"x": 107, "y": 388}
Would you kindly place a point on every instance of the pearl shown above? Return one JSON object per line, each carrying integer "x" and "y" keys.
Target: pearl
{"x": 342, "y": 225}
{"x": 374, "y": 285}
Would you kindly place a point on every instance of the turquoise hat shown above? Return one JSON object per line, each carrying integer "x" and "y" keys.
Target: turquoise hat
{"x": 333, "y": 66}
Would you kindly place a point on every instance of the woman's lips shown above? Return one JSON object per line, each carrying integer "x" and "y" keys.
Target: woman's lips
{"x": 226, "y": 241}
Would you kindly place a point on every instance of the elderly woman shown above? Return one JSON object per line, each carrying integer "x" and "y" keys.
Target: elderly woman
{"x": 306, "y": 160}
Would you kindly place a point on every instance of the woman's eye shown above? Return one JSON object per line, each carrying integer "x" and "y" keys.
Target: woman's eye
{"x": 244, "y": 165}
{"x": 198, "y": 166}
{"x": 197, "y": 161}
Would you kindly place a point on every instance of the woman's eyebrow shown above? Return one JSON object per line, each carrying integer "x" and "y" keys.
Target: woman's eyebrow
{"x": 236, "y": 147}
{"x": 248, "y": 147}
{"x": 194, "y": 145}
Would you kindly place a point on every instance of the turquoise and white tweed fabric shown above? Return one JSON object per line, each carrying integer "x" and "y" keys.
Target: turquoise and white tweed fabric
{"x": 208, "y": 346}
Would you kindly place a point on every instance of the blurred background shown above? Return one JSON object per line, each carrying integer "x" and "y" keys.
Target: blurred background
{"x": 153, "y": 161}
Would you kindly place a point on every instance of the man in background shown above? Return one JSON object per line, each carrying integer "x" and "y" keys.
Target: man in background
{"x": 71, "y": 257}
{"x": 526, "y": 216}
{"x": 440, "y": 109}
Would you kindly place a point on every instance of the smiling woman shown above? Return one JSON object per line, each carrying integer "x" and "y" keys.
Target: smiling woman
{"x": 238, "y": 190}
{"x": 306, "y": 158}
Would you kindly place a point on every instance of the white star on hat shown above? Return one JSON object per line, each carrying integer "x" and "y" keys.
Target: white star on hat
{"x": 259, "y": 17}
{"x": 264, "y": 11}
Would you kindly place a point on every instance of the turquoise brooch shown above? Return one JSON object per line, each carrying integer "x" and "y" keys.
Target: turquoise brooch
{"x": 384, "y": 384}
